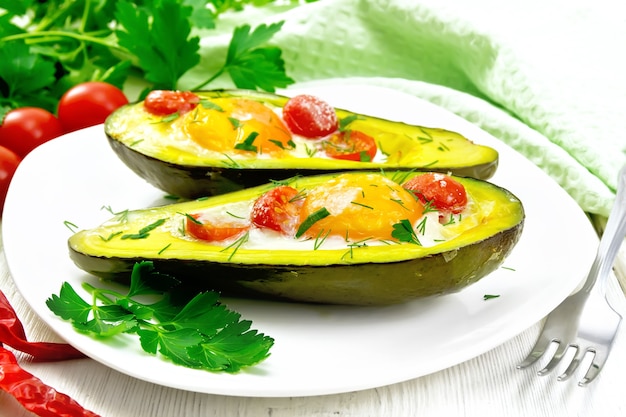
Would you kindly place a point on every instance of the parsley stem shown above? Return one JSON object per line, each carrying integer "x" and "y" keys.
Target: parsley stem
{"x": 209, "y": 80}
{"x": 54, "y": 36}
{"x": 99, "y": 293}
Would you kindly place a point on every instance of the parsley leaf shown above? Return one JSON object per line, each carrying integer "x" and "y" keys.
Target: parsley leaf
{"x": 161, "y": 40}
{"x": 201, "y": 333}
{"x": 251, "y": 65}
{"x": 404, "y": 232}
{"x": 25, "y": 74}
{"x": 48, "y": 47}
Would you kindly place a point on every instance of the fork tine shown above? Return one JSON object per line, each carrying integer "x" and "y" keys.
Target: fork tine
{"x": 538, "y": 350}
{"x": 573, "y": 365}
{"x": 560, "y": 351}
{"x": 599, "y": 359}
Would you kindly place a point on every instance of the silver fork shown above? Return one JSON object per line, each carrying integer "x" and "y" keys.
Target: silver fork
{"x": 585, "y": 321}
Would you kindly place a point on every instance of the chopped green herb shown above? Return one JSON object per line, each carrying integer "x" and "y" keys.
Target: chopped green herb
{"x": 421, "y": 226}
{"x": 145, "y": 232}
{"x": 191, "y": 218}
{"x": 310, "y": 151}
{"x": 507, "y": 267}
{"x": 236, "y": 245}
{"x": 290, "y": 144}
{"x": 343, "y": 123}
{"x": 311, "y": 220}
{"x": 165, "y": 248}
{"x": 235, "y": 122}
{"x": 300, "y": 195}
{"x": 170, "y": 117}
{"x": 230, "y": 162}
{"x": 450, "y": 221}
{"x": 111, "y": 236}
{"x": 247, "y": 144}
{"x": 364, "y": 156}
{"x": 208, "y": 104}
{"x": 362, "y": 205}
{"x": 320, "y": 239}
{"x": 490, "y": 296}
{"x": 70, "y": 226}
{"x": 120, "y": 215}
{"x": 443, "y": 147}
{"x": 199, "y": 333}
{"x": 234, "y": 215}
{"x": 403, "y": 232}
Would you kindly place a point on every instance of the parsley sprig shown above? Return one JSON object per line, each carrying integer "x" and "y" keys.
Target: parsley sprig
{"x": 201, "y": 333}
{"x": 47, "y": 47}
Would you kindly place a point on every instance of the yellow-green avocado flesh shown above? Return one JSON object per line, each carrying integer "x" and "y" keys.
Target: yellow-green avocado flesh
{"x": 361, "y": 275}
{"x": 191, "y": 174}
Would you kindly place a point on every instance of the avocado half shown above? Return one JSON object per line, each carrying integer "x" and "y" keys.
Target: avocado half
{"x": 360, "y": 275}
{"x": 144, "y": 142}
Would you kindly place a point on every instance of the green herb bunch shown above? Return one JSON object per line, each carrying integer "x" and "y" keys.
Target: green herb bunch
{"x": 46, "y": 47}
{"x": 196, "y": 332}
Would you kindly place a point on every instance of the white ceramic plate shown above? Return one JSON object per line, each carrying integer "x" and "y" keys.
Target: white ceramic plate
{"x": 318, "y": 349}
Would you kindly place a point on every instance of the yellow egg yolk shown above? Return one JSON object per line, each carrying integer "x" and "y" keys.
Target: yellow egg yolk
{"x": 237, "y": 125}
{"x": 361, "y": 207}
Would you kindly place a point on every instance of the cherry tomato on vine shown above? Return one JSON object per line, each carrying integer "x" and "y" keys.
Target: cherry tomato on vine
{"x": 310, "y": 116}
{"x": 9, "y": 161}
{"x": 443, "y": 192}
{"x": 278, "y": 209}
{"x": 88, "y": 104}
{"x": 165, "y": 102}
{"x": 25, "y": 128}
{"x": 351, "y": 145}
{"x": 204, "y": 229}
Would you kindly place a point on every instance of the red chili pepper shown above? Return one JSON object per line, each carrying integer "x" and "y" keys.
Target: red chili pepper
{"x": 27, "y": 389}
{"x": 12, "y": 334}
{"x": 34, "y": 394}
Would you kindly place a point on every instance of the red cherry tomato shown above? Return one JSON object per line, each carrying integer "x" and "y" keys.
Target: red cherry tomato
{"x": 351, "y": 145}
{"x": 88, "y": 104}
{"x": 310, "y": 116}
{"x": 278, "y": 209}
{"x": 443, "y": 192}
{"x": 164, "y": 102}
{"x": 25, "y": 128}
{"x": 206, "y": 230}
{"x": 9, "y": 161}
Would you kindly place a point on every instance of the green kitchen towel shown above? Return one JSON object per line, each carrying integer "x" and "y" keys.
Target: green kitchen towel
{"x": 546, "y": 77}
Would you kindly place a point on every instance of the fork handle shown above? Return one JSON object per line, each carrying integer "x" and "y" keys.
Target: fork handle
{"x": 611, "y": 240}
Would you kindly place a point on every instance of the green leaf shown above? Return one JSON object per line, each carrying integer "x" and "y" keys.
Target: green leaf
{"x": 250, "y": 65}
{"x": 160, "y": 40}
{"x": 108, "y": 321}
{"x": 194, "y": 331}
{"x": 203, "y": 313}
{"x": 69, "y": 305}
{"x": 23, "y": 71}
{"x": 233, "y": 348}
{"x": 403, "y": 232}
{"x": 247, "y": 144}
{"x": 201, "y": 16}
{"x": 144, "y": 279}
{"x": 174, "y": 344}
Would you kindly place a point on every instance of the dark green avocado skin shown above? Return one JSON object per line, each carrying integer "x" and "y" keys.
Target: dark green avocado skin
{"x": 358, "y": 284}
{"x": 196, "y": 181}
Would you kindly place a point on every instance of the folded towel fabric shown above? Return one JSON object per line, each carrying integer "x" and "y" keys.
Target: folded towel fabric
{"x": 544, "y": 76}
